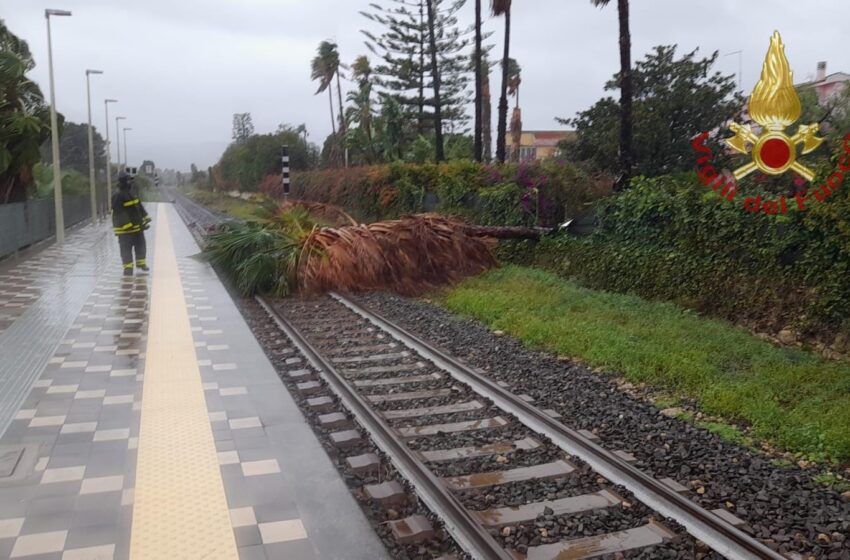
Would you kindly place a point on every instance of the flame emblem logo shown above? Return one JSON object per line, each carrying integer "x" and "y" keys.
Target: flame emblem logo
{"x": 775, "y": 106}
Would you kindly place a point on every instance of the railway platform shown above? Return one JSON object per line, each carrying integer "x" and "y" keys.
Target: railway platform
{"x": 141, "y": 419}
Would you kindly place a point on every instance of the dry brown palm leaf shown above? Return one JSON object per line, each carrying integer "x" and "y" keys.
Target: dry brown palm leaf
{"x": 408, "y": 255}
{"x": 327, "y": 213}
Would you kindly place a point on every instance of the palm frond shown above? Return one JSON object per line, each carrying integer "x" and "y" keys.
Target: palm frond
{"x": 293, "y": 251}
{"x": 500, "y": 7}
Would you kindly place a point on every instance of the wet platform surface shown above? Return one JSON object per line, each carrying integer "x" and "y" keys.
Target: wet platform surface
{"x": 141, "y": 419}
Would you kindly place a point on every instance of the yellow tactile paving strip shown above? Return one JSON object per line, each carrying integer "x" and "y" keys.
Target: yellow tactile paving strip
{"x": 180, "y": 508}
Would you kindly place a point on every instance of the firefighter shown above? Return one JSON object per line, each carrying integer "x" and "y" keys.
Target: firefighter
{"x": 129, "y": 222}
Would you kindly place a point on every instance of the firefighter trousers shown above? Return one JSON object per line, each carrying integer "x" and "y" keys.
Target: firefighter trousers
{"x": 130, "y": 242}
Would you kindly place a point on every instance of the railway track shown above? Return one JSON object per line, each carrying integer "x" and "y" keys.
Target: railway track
{"x": 468, "y": 445}
{"x": 197, "y": 217}
{"x": 506, "y": 479}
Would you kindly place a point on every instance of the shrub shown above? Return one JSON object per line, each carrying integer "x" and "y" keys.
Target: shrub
{"x": 535, "y": 193}
{"x": 669, "y": 238}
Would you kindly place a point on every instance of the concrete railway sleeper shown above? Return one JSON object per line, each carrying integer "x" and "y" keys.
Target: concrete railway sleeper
{"x": 413, "y": 420}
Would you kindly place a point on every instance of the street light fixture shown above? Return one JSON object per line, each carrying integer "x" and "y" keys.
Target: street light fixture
{"x": 106, "y": 103}
{"x": 91, "y": 146}
{"x": 118, "y": 142}
{"x": 126, "y": 163}
{"x": 54, "y": 134}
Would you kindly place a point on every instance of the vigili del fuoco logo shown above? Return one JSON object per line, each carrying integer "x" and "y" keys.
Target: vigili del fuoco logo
{"x": 775, "y": 106}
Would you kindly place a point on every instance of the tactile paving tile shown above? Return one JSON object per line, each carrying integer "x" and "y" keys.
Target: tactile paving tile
{"x": 180, "y": 508}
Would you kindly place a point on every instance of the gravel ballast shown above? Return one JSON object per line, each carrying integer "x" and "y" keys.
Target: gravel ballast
{"x": 783, "y": 505}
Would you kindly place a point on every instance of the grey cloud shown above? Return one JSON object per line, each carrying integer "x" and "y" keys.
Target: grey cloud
{"x": 181, "y": 68}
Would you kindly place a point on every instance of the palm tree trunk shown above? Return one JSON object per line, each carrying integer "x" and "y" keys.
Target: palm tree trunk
{"x": 507, "y": 232}
{"x": 625, "y": 96}
{"x": 331, "y": 100}
{"x": 503, "y": 100}
{"x": 478, "y": 100}
{"x": 341, "y": 117}
{"x": 341, "y": 110}
{"x": 486, "y": 118}
{"x": 435, "y": 72}
{"x": 367, "y": 124}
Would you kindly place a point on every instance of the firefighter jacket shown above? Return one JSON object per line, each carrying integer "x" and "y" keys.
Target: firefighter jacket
{"x": 128, "y": 214}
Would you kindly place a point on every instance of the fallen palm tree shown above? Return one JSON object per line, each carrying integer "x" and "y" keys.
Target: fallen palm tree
{"x": 293, "y": 250}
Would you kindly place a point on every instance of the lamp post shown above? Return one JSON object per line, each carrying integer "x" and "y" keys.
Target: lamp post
{"x": 54, "y": 134}
{"x": 91, "y": 146}
{"x": 118, "y": 142}
{"x": 125, "y": 146}
{"x": 106, "y": 103}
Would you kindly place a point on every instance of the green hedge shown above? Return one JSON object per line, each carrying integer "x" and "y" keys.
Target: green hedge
{"x": 670, "y": 238}
{"x": 538, "y": 193}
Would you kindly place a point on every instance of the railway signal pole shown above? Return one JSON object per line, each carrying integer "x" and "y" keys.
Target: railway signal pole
{"x": 285, "y": 171}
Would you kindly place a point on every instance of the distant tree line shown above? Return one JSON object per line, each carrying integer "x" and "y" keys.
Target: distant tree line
{"x": 250, "y": 157}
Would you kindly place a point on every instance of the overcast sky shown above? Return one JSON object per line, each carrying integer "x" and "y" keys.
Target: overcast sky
{"x": 181, "y": 68}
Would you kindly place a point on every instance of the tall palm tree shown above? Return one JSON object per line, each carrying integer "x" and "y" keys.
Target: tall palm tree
{"x": 514, "y": 81}
{"x": 342, "y": 124}
{"x": 486, "y": 110}
{"x": 361, "y": 72}
{"x": 479, "y": 130}
{"x": 324, "y": 66}
{"x": 503, "y": 8}
{"x": 626, "y": 157}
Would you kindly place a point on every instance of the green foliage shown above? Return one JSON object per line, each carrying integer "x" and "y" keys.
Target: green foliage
{"x": 839, "y": 484}
{"x": 403, "y": 74}
{"x": 24, "y": 118}
{"x": 459, "y": 146}
{"x": 675, "y": 99}
{"x": 74, "y": 148}
{"x": 422, "y": 150}
{"x": 791, "y": 397}
{"x": 243, "y": 209}
{"x": 257, "y": 258}
{"x": 262, "y": 256}
{"x": 541, "y": 192}
{"x": 244, "y": 165}
{"x": 669, "y": 238}
{"x": 74, "y": 183}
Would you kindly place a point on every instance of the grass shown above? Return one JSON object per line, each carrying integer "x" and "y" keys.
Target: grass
{"x": 833, "y": 481}
{"x": 236, "y": 207}
{"x": 789, "y": 397}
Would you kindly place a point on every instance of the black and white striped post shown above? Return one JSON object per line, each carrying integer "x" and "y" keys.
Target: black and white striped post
{"x": 285, "y": 171}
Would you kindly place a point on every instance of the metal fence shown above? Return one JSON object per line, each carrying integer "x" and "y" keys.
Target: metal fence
{"x": 25, "y": 223}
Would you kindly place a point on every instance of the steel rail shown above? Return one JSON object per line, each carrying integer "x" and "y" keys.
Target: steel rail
{"x": 701, "y": 523}
{"x": 212, "y": 217}
{"x": 463, "y": 527}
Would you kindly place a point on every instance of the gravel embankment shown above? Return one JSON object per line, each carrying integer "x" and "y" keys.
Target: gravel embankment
{"x": 783, "y": 505}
